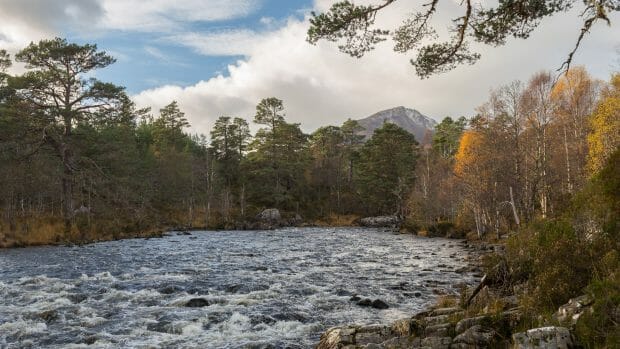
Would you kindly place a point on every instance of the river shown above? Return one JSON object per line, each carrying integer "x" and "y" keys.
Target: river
{"x": 265, "y": 289}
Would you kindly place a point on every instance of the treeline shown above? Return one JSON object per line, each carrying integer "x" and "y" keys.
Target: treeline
{"x": 80, "y": 162}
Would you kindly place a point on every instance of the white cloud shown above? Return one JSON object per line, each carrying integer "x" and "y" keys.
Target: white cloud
{"x": 238, "y": 42}
{"x": 319, "y": 85}
{"x": 167, "y": 15}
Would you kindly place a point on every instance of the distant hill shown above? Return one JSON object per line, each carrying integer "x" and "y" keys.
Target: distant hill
{"x": 409, "y": 119}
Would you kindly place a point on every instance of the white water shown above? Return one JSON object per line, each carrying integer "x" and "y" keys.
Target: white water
{"x": 266, "y": 289}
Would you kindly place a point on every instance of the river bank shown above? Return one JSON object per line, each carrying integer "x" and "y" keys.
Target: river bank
{"x": 489, "y": 315}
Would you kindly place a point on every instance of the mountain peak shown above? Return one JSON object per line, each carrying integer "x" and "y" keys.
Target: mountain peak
{"x": 409, "y": 119}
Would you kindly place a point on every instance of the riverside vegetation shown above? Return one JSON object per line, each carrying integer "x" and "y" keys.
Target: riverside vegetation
{"x": 535, "y": 168}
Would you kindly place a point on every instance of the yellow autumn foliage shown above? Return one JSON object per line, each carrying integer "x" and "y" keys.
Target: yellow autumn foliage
{"x": 604, "y": 138}
{"x": 469, "y": 150}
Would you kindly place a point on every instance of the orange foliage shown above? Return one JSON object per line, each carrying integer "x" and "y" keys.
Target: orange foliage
{"x": 469, "y": 149}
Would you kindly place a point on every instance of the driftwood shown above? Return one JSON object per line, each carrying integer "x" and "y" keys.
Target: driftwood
{"x": 484, "y": 282}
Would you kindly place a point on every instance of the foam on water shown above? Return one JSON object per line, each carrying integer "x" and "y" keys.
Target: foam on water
{"x": 268, "y": 288}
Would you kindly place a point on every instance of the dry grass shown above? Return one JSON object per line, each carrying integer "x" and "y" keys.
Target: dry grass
{"x": 335, "y": 220}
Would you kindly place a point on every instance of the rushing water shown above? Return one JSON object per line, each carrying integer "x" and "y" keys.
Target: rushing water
{"x": 277, "y": 289}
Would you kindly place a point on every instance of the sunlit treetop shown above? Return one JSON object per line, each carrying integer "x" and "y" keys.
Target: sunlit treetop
{"x": 353, "y": 28}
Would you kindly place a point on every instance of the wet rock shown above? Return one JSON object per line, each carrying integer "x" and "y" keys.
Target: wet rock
{"x": 164, "y": 326}
{"x": 544, "y": 337}
{"x": 49, "y": 315}
{"x": 90, "y": 340}
{"x": 379, "y": 304}
{"x": 289, "y": 316}
{"x": 262, "y": 319}
{"x": 366, "y": 302}
{"x": 197, "y": 303}
{"x": 571, "y": 311}
{"x": 343, "y": 293}
{"x": 355, "y": 298}
{"x": 478, "y": 337}
{"x": 183, "y": 233}
{"x": 169, "y": 289}
{"x": 77, "y": 297}
{"x": 417, "y": 294}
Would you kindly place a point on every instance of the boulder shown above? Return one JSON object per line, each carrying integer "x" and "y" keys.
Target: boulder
{"x": 380, "y": 222}
{"x": 269, "y": 215}
{"x": 544, "y": 337}
{"x": 337, "y": 337}
{"x": 197, "y": 303}
{"x": 379, "y": 304}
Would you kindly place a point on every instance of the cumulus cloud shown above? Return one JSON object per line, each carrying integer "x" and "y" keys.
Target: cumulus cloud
{"x": 26, "y": 20}
{"x": 319, "y": 85}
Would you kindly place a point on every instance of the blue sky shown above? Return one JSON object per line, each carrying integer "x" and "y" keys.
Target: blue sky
{"x": 150, "y": 60}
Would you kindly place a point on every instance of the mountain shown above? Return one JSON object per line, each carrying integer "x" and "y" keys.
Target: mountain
{"x": 409, "y": 119}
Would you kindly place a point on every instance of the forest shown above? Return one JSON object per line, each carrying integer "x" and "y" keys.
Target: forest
{"x": 81, "y": 162}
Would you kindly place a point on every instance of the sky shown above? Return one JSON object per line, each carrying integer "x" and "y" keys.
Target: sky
{"x": 221, "y": 57}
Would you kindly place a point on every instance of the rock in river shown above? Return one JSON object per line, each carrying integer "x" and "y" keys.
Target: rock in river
{"x": 197, "y": 303}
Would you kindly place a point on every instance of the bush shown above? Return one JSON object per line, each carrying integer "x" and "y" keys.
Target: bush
{"x": 601, "y": 327}
{"x": 552, "y": 260}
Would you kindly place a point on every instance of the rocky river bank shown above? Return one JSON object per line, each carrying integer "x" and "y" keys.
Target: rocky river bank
{"x": 485, "y": 316}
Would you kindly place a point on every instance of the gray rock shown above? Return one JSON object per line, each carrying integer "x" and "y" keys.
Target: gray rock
{"x": 441, "y": 330}
{"x": 544, "y": 337}
{"x": 270, "y": 214}
{"x": 478, "y": 336}
{"x": 379, "y": 304}
{"x": 197, "y": 303}
{"x": 465, "y": 324}
{"x": 446, "y": 311}
{"x": 380, "y": 221}
{"x": 336, "y": 337}
{"x": 571, "y": 311}
{"x": 402, "y": 342}
{"x": 366, "y": 302}
{"x": 436, "y": 342}
{"x": 436, "y": 320}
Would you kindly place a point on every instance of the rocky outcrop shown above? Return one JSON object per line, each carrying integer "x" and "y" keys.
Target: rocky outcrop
{"x": 380, "y": 222}
{"x": 544, "y": 337}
